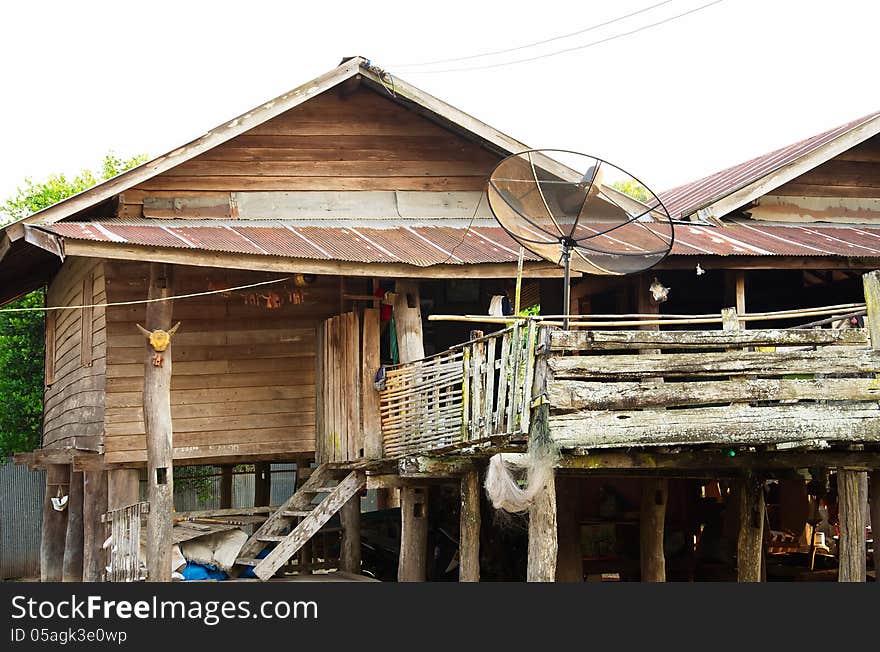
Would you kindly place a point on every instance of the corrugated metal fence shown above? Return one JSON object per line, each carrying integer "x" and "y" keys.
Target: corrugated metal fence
{"x": 21, "y": 515}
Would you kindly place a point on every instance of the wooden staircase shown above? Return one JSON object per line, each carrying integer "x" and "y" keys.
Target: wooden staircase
{"x": 299, "y": 519}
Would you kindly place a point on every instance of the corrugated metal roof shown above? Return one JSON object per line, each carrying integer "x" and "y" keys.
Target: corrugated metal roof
{"x": 687, "y": 199}
{"x": 423, "y": 245}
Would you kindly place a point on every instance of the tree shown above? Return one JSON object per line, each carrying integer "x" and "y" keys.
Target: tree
{"x": 632, "y": 189}
{"x": 21, "y": 333}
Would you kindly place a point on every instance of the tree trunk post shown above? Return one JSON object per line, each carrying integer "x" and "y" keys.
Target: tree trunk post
{"x": 469, "y": 528}
{"x": 749, "y": 550}
{"x": 350, "y": 515}
{"x": 413, "y": 560}
{"x": 852, "y": 503}
{"x": 652, "y": 519}
{"x": 94, "y": 530}
{"x": 54, "y": 530}
{"x": 226, "y": 486}
{"x": 73, "y": 545}
{"x": 159, "y": 431}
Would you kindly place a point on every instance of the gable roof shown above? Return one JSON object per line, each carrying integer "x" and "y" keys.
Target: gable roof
{"x": 729, "y": 189}
{"x": 355, "y": 67}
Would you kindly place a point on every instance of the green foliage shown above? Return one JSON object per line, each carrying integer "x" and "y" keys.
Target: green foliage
{"x": 632, "y": 189}
{"x": 198, "y": 478}
{"x": 34, "y": 196}
{"x": 21, "y": 376}
{"x": 21, "y": 334}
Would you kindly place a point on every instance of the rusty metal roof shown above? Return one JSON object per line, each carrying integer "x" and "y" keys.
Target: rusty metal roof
{"x": 687, "y": 199}
{"x": 423, "y": 244}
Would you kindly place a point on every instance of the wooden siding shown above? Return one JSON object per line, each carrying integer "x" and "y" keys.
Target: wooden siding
{"x": 74, "y": 401}
{"x": 359, "y": 141}
{"x": 243, "y": 382}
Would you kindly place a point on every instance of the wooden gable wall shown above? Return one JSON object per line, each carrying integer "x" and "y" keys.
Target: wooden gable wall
{"x": 359, "y": 140}
{"x": 845, "y": 190}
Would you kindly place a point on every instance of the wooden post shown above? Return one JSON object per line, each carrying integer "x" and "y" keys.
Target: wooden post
{"x": 123, "y": 487}
{"x": 73, "y": 545}
{"x": 749, "y": 550}
{"x": 94, "y": 531}
{"x": 158, "y": 427}
{"x": 570, "y": 562}
{"x": 370, "y": 363}
{"x": 226, "y": 486}
{"x": 54, "y": 532}
{"x": 543, "y": 541}
{"x": 408, "y": 321}
{"x": 875, "y": 520}
{"x": 652, "y": 519}
{"x": 413, "y": 560}
{"x": 852, "y": 506}
{"x": 350, "y": 515}
{"x": 262, "y": 484}
{"x": 469, "y": 528}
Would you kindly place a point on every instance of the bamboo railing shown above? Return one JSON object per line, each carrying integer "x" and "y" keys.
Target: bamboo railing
{"x": 468, "y": 394}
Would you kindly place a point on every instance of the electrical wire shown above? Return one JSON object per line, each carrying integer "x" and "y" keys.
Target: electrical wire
{"x": 567, "y": 50}
{"x": 534, "y": 44}
{"x": 464, "y": 237}
{"x": 141, "y": 301}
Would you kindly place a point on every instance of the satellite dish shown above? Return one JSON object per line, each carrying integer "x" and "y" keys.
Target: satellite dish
{"x": 580, "y": 212}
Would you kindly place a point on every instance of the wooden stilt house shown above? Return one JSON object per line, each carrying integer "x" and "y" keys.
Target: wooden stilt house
{"x": 306, "y": 243}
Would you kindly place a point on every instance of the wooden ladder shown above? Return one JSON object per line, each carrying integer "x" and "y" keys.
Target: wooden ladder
{"x": 299, "y": 507}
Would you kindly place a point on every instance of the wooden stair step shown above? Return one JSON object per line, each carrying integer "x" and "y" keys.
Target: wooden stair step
{"x": 271, "y": 538}
{"x": 247, "y": 561}
{"x": 319, "y": 490}
{"x": 292, "y": 513}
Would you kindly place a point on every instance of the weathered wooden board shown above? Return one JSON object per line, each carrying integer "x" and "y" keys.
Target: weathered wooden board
{"x": 568, "y": 395}
{"x": 778, "y": 363}
{"x": 632, "y": 339}
{"x": 728, "y": 425}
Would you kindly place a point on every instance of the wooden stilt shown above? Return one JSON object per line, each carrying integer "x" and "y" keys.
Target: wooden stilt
{"x": 157, "y": 423}
{"x": 751, "y": 529}
{"x": 262, "y": 484}
{"x": 413, "y": 560}
{"x": 543, "y": 543}
{"x": 852, "y": 506}
{"x": 94, "y": 531}
{"x": 123, "y": 487}
{"x": 469, "y": 528}
{"x": 570, "y": 563}
{"x": 875, "y": 520}
{"x": 226, "y": 486}
{"x": 54, "y": 532}
{"x": 350, "y": 515}
{"x": 652, "y": 519}
{"x": 73, "y": 545}
{"x": 408, "y": 321}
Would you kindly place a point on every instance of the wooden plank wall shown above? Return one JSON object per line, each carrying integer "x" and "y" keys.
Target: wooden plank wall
{"x": 243, "y": 383}
{"x": 340, "y": 435}
{"x": 360, "y": 141}
{"x": 854, "y": 173}
{"x": 74, "y": 401}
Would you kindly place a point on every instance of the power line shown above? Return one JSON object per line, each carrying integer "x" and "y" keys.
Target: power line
{"x": 571, "y": 49}
{"x": 140, "y": 301}
{"x": 536, "y": 43}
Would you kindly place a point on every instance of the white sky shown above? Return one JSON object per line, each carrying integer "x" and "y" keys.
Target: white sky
{"x": 670, "y": 104}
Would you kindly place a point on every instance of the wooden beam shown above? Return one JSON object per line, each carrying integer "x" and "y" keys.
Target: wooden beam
{"x": 259, "y": 262}
{"x": 413, "y": 561}
{"x": 72, "y": 570}
{"x": 751, "y": 529}
{"x": 44, "y": 240}
{"x": 94, "y": 530}
{"x": 159, "y": 430}
{"x": 350, "y": 554}
{"x": 852, "y": 503}
{"x": 416, "y": 466}
{"x": 54, "y": 529}
{"x": 469, "y": 528}
{"x": 652, "y": 518}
